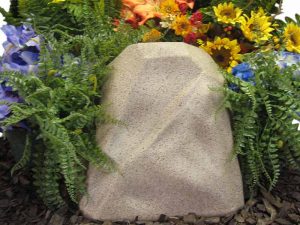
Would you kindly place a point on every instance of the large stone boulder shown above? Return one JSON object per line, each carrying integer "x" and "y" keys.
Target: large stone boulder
{"x": 173, "y": 152}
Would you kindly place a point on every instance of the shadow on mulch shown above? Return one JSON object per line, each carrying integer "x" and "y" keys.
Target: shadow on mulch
{"x": 19, "y": 204}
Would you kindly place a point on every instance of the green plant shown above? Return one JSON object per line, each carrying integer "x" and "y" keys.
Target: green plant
{"x": 62, "y": 104}
{"x": 262, "y": 114}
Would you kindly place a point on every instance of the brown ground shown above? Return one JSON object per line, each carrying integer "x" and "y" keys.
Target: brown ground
{"x": 19, "y": 204}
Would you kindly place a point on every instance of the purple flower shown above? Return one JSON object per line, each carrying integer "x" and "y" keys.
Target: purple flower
{"x": 21, "y": 50}
{"x": 4, "y": 111}
{"x": 21, "y": 54}
{"x": 7, "y": 94}
{"x": 18, "y": 36}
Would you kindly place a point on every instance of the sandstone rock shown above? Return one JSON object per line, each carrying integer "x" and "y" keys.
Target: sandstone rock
{"x": 173, "y": 153}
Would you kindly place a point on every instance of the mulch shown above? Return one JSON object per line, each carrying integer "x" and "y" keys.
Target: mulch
{"x": 19, "y": 204}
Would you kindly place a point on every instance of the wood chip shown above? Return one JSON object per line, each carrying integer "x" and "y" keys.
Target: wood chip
{"x": 271, "y": 198}
{"x": 212, "y": 220}
{"x": 251, "y": 220}
{"x": 238, "y": 218}
{"x": 190, "y": 218}
{"x": 294, "y": 217}
{"x": 270, "y": 209}
{"x": 4, "y": 203}
{"x": 283, "y": 221}
{"x": 56, "y": 220}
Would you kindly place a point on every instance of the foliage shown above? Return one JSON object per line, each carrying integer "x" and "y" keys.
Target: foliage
{"x": 61, "y": 104}
{"x": 262, "y": 114}
{"x": 67, "y": 16}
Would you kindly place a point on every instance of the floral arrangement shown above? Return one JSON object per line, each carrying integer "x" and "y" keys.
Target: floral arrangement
{"x": 226, "y": 32}
{"x": 56, "y": 61}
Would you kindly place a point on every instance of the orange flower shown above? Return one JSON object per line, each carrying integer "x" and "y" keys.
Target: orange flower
{"x": 129, "y": 17}
{"x": 141, "y": 10}
{"x": 189, "y": 3}
{"x": 132, "y": 3}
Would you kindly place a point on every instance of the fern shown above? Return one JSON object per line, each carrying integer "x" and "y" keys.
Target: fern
{"x": 262, "y": 119}
{"x": 25, "y": 157}
{"x": 62, "y": 102}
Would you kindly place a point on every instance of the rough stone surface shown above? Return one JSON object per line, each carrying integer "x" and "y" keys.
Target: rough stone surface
{"x": 173, "y": 152}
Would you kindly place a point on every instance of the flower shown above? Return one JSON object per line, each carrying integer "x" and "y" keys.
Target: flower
{"x": 243, "y": 71}
{"x": 6, "y": 94}
{"x": 224, "y": 51}
{"x": 139, "y": 11}
{"x": 286, "y": 59}
{"x": 283, "y": 60}
{"x": 4, "y": 111}
{"x": 181, "y": 25}
{"x": 18, "y": 36}
{"x": 276, "y": 42}
{"x": 168, "y": 7}
{"x": 196, "y": 18}
{"x": 292, "y": 37}
{"x": 190, "y": 38}
{"x": 57, "y": 1}
{"x": 183, "y": 8}
{"x": 152, "y": 35}
{"x": 187, "y": 3}
{"x": 116, "y": 24}
{"x": 227, "y": 13}
{"x": 129, "y": 17}
{"x": 21, "y": 53}
{"x": 257, "y": 28}
{"x": 21, "y": 50}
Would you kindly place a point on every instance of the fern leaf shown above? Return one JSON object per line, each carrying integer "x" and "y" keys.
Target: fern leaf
{"x": 25, "y": 157}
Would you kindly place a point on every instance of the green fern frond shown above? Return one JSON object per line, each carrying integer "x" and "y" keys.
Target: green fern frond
{"x": 61, "y": 103}
{"x": 262, "y": 114}
{"x": 25, "y": 157}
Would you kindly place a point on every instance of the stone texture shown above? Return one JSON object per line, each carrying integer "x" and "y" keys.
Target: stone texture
{"x": 172, "y": 151}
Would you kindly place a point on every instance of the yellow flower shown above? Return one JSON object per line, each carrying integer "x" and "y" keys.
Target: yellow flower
{"x": 151, "y": 36}
{"x": 204, "y": 28}
{"x": 224, "y": 51}
{"x": 58, "y": 1}
{"x": 52, "y": 72}
{"x": 292, "y": 37}
{"x": 276, "y": 42}
{"x": 181, "y": 25}
{"x": 257, "y": 28}
{"x": 227, "y": 13}
{"x": 169, "y": 7}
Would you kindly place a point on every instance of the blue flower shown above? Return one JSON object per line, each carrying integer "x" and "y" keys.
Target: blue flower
{"x": 243, "y": 71}
{"x": 286, "y": 59}
{"x": 283, "y": 60}
{"x": 6, "y": 94}
{"x": 21, "y": 50}
{"x": 4, "y": 111}
{"x": 18, "y": 36}
{"x": 21, "y": 53}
